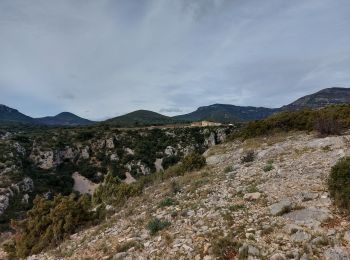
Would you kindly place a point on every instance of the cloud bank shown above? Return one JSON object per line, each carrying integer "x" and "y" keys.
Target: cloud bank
{"x": 104, "y": 58}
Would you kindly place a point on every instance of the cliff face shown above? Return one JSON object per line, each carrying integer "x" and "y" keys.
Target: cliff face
{"x": 320, "y": 99}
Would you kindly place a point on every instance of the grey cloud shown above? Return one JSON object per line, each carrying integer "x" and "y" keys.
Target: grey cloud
{"x": 170, "y": 110}
{"x": 111, "y": 57}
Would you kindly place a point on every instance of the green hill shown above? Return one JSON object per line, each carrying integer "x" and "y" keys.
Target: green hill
{"x": 12, "y": 116}
{"x": 140, "y": 118}
{"x": 65, "y": 119}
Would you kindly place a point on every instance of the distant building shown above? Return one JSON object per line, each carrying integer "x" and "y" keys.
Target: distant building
{"x": 205, "y": 123}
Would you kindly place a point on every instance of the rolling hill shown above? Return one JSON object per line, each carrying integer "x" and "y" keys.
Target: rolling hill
{"x": 64, "y": 119}
{"x": 140, "y": 118}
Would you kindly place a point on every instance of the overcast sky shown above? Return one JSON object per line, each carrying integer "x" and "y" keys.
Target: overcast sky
{"x": 102, "y": 58}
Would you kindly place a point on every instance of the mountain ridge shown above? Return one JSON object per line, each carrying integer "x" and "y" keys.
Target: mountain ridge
{"x": 223, "y": 113}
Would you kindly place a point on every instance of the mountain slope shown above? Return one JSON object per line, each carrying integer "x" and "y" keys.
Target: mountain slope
{"x": 140, "y": 117}
{"x": 320, "y": 99}
{"x": 227, "y": 113}
{"x": 241, "y": 213}
{"x": 64, "y": 119}
{"x": 10, "y": 115}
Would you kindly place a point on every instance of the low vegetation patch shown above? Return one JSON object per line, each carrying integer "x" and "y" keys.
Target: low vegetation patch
{"x": 167, "y": 202}
{"x": 248, "y": 157}
{"x": 155, "y": 225}
{"x": 268, "y": 167}
{"x": 339, "y": 184}
{"x": 225, "y": 248}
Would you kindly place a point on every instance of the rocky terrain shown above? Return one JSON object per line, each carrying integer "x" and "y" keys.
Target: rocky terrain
{"x": 51, "y": 161}
{"x": 265, "y": 198}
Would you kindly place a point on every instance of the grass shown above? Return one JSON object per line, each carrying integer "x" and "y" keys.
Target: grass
{"x": 155, "y": 225}
{"x": 268, "y": 167}
{"x": 167, "y": 202}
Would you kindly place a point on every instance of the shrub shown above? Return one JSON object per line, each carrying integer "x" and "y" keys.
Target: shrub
{"x": 175, "y": 187}
{"x": 225, "y": 248}
{"x": 167, "y": 202}
{"x": 326, "y": 125}
{"x": 268, "y": 167}
{"x": 339, "y": 184}
{"x": 228, "y": 169}
{"x": 113, "y": 191}
{"x": 155, "y": 225}
{"x": 193, "y": 162}
{"x": 248, "y": 157}
{"x": 49, "y": 222}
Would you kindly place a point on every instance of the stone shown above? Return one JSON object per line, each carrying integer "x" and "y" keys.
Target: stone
{"x": 278, "y": 256}
{"x": 337, "y": 253}
{"x": 309, "y": 216}
{"x": 280, "y": 208}
{"x": 119, "y": 256}
{"x": 347, "y": 236}
{"x": 252, "y": 196}
{"x": 292, "y": 228}
{"x": 300, "y": 236}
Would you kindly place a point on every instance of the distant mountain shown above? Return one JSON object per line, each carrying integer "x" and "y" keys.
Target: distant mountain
{"x": 227, "y": 113}
{"x": 320, "y": 99}
{"x": 64, "y": 119}
{"x": 9, "y": 116}
{"x": 140, "y": 117}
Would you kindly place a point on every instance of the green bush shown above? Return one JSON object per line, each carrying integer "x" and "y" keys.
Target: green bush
{"x": 113, "y": 191}
{"x": 167, "y": 202}
{"x": 155, "y": 225}
{"x": 193, "y": 162}
{"x": 49, "y": 222}
{"x": 339, "y": 184}
{"x": 268, "y": 167}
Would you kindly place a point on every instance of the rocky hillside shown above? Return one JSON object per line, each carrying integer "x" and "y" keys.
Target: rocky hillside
{"x": 48, "y": 161}
{"x": 320, "y": 99}
{"x": 264, "y": 198}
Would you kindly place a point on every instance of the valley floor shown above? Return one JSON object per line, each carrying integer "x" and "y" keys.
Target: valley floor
{"x": 275, "y": 207}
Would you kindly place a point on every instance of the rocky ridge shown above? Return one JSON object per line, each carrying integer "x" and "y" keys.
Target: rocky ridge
{"x": 282, "y": 211}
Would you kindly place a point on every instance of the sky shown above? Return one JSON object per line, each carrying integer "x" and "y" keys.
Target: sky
{"x": 103, "y": 58}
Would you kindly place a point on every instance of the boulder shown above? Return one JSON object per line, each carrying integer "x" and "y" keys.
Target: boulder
{"x": 281, "y": 207}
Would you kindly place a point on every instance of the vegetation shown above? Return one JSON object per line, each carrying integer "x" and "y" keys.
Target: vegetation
{"x": 49, "y": 222}
{"x": 156, "y": 224}
{"x": 339, "y": 184}
{"x": 248, "y": 157}
{"x": 268, "y": 167}
{"x": 167, "y": 202}
{"x": 193, "y": 162}
{"x": 225, "y": 247}
{"x": 326, "y": 121}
